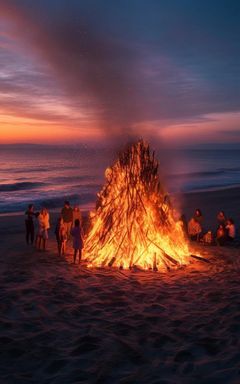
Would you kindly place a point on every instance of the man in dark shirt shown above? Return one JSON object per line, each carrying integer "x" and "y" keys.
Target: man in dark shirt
{"x": 30, "y": 214}
{"x": 67, "y": 215}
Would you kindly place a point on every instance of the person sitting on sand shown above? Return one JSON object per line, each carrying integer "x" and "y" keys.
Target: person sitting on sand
{"x": 194, "y": 229}
{"x": 198, "y": 216}
{"x": 221, "y": 218}
{"x": 61, "y": 236}
{"x": 43, "y": 226}
{"x": 208, "y": 238}
{"x": 29, "y": 223}
{"x": 76, "y": 233}
{"x": 231, "y": 230}
{"x": 221, "y": 235}
{"x": 67, "y": 215}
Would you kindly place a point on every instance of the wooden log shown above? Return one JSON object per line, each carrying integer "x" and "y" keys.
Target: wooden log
{"x": 201, "y": 258}
{"x": 131, "y": 259}
{"x": 171, "y": 259}
{"x": 112, "y": 261}
{"x": 155, "y": 262}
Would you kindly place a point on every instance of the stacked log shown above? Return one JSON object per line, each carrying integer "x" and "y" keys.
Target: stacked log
{"x": 133, "y": 222}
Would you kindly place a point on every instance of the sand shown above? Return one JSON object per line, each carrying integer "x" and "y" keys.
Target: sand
{"x": 61, "y": 323}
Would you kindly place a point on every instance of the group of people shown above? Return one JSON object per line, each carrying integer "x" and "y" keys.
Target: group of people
{"x": 43, "y": 226}
{"x": 225, "y": 232}
{"x": 68, "y": 226}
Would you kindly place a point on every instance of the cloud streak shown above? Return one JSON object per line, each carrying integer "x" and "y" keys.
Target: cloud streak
{"x": 121, "y": 66}
{"x": 91, "y": 68}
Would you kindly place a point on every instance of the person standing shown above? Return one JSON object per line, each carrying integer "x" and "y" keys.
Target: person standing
{"x": 60, "y": 237}
{"x": 67, "y": 215}
{"x": 43, "y": 223}
{"x": 30, "y": 214}
{"x": 76, "y": 233}
{"x": 76, "y": 215}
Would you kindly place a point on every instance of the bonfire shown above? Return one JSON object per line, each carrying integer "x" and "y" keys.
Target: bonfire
{"x": 133, "y": 224}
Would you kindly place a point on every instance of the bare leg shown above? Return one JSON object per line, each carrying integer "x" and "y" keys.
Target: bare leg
{"x": 74, "y": 256}
{"x": 38, "y": 242}
{"x": 32, "y": 232}
{"x": 59, "y": 245}
{"x": 79, "y": 256}
{"x": 63, "y": 247}
{"x": 27, "y": 231}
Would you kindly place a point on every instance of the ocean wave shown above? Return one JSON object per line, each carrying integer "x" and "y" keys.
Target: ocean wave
{"x": 68, "y": 179}
{"x": 229, "y": 169}
{"x": 36, "y": 169}
{"x": 24, "y": 170}
{"x": 20, "y": 186}
{"x": 49, "y": 203}
{"x": 217, "y": 172}
{"x": 210, "y": 187}
{"x": 55, "y": 202}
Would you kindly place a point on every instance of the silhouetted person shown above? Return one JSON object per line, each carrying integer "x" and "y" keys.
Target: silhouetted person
{"x": 67, "y": 215}
{"x": 76, "y": 214}
{"x": 61, "y": 236}
{"x": 30, "y": 214}
{"x": 76, "y": 233}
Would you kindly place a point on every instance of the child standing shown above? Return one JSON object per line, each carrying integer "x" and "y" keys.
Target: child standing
{"x": 61, "y": 236}
{"x": 76, "y": 233}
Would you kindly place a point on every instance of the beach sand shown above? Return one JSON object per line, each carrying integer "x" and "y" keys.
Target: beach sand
{"x": 61, "y": 323}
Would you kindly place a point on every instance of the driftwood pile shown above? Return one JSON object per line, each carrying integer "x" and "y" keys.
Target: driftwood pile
{"x": 133, "y": 222}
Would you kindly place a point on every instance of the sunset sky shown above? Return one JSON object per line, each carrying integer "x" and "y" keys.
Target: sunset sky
{"x": 88, "y": 71}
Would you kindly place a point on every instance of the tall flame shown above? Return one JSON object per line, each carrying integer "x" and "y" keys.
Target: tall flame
{"x": 133, "y": 223}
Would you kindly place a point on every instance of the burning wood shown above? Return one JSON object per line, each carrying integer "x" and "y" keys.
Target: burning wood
{"x": 133, "y": 222}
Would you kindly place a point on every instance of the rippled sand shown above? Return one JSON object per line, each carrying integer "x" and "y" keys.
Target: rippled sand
{"x": 61, "y": 323}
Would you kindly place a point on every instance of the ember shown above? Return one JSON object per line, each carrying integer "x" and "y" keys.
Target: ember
{"x": 133, "y": 223}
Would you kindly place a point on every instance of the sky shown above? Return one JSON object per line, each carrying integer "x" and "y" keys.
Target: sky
{"x": 74, "y": 71}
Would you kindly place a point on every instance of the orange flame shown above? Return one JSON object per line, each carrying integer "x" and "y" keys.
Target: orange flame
{"x": 133, "y": 223}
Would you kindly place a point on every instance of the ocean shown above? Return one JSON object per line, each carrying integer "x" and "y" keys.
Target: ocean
{"x": 48, "y": 175}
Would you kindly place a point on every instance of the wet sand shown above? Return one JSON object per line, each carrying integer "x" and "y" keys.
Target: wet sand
{"x": 64, "y": 323}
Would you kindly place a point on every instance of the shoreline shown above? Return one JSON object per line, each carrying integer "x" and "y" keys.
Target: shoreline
{"x": 210, "y": 204}
{"x": 220, "y": 193}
